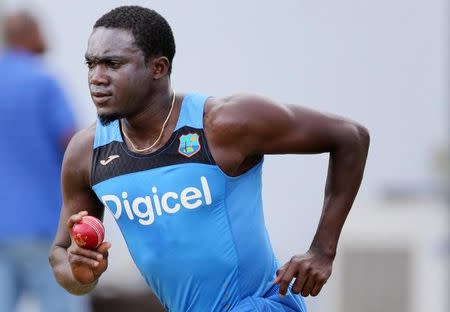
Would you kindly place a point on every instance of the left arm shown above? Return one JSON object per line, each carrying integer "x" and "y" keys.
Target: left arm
{"x": 266, "y": 127}
{"x": 347, "y": 143}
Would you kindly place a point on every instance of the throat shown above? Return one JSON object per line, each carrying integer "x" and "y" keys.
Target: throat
{"x": 145, "y": 134}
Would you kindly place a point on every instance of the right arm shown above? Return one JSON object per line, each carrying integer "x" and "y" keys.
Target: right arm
{"x": 77, "y": 269}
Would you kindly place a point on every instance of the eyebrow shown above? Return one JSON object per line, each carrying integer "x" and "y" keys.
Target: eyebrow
{"x": 104, "y": 57}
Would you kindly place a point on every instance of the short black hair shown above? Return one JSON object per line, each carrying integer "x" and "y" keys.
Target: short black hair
{"x": 152, "y": 33}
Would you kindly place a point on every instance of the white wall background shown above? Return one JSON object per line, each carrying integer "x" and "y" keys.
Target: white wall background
{"x": 383, "y": 63}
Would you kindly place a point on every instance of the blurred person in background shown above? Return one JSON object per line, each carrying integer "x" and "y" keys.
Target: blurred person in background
{"x": 36, "y": 124}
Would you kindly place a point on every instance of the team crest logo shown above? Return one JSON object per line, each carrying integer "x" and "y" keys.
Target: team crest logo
{"x": 189, "y": 144}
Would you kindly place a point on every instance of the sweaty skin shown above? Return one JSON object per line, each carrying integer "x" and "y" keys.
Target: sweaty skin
{"x": 124, "y": 84}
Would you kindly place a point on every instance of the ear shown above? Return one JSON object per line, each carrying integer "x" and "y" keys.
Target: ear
{"x": 159, "y": 66}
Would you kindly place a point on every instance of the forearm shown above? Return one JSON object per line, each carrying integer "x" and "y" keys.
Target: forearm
{"x": 61, "y": 268}
{"x": 345, "y": 172}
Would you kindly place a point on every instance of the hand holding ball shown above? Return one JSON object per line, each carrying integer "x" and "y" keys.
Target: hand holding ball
{"x": 88, "y": 233}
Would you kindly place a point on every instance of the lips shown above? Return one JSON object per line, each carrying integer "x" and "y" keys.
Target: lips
{"x": 100, "y": 97}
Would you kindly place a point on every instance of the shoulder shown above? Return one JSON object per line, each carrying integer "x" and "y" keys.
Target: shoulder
{"x": 235, "y": 124}
{"x": 39, "y": 78}
{"x": 28, "y": 69}
{"x": 78, "y": 155}
{"x": 239, "y": 113}
{"x": 39, "y": 74}
{"x": 81, "y": 144}
{"x": 47, "y": 79}
{"x": 240, "y": 108}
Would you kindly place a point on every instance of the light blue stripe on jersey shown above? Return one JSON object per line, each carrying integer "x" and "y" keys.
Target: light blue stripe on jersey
{"x": 106, "y": 134}
{"x": 191, "y": 114}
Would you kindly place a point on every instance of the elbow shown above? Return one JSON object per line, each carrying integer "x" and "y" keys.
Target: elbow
{"x": 355, "y": 137}
{"x": 63, "y": 273}
{"x": 363, "y": 136}
{"x": 52, "y": 260}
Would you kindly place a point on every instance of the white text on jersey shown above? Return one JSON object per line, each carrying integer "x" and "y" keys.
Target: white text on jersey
{"x": 144, "y": 208}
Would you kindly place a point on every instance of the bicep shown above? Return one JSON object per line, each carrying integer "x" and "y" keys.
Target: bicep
{"x": 292, "y": 129}
{"x": 77, "y": 192}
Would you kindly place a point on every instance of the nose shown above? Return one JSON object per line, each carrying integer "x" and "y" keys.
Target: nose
{"x": 98, "y": 76}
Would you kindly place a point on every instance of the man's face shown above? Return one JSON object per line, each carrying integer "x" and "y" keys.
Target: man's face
{"x": 36, "y": 40}
{"x": 119, "y": 80}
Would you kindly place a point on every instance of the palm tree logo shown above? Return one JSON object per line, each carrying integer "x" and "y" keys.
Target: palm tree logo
{"x": 189, "y": 144}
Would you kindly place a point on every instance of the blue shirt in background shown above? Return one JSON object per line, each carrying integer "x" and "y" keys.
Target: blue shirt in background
{"x": 34, "y": 119}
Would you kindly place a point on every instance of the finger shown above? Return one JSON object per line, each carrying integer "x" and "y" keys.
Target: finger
{"x": 76, "y": 218}
{"x": 308, "y": 286}
{"x": 77, "y": 260}
{"x": 317, "y": 288}
{"x": 299, "y": 283}
{"x": 76, "y": 250}
{"x": 286, "y": 279}
{"x": 103, "y": 248}
{"x": 280, "y": 273}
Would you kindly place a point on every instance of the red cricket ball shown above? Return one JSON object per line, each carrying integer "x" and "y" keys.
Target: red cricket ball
{"x": 89, "y": 233}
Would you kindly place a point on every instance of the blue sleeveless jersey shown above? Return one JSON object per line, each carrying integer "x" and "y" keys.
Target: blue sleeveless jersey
{"x": 197, "y": 235}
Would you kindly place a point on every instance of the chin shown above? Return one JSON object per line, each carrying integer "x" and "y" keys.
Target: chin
{"x": 107, "y": 118}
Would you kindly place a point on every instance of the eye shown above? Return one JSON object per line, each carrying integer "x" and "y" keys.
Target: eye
{"x": 113, "y": 64}
{"x": 89, "y": 64}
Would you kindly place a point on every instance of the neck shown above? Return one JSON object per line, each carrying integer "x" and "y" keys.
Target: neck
{"x": 144, "y": 127}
